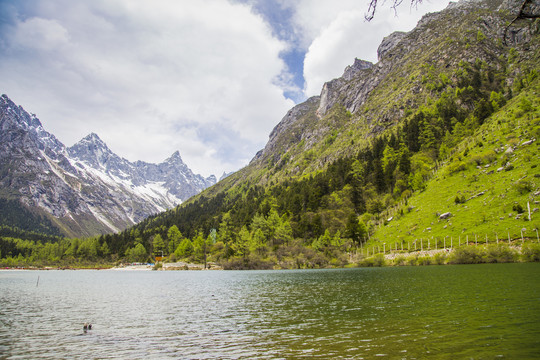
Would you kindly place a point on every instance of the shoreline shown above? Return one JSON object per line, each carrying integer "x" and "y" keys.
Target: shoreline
{"x": 493, "y": 253}
{"x": 176, "y": 266}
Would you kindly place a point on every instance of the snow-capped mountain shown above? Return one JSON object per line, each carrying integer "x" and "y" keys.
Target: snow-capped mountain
{"x": 85, "y": 189}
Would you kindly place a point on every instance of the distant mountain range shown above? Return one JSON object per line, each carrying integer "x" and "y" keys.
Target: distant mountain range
{"x": 85, "y": 189}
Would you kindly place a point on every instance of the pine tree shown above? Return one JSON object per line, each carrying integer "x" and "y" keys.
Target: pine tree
{"x": 174, "y": 236}
{"x": 184, "y": 249}
{"x": 158, "y": 244}
{"x": 257, "y": 242}
{"x": 240, "y": 246}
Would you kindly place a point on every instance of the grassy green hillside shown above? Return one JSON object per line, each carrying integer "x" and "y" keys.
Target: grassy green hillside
{"x": 487, "y": 184}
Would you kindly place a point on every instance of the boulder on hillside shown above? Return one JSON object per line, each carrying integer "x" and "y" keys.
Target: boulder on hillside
{"x": 446, "y": 215}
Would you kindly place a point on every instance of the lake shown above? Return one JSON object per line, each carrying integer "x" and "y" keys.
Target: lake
{"x": 443, "y": 312}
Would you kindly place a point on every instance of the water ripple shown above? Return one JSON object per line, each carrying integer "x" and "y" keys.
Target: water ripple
{"x": 341, "y": 314}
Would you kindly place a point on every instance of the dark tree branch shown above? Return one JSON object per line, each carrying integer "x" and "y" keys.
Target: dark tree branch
{"x": 521, "y": 15}
{"x": 371, "y": 10}
{"x": 395, "y": 3}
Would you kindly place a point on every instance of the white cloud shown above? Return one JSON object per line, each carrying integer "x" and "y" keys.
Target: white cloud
{"x": 200, "y": 76}
{"x": 141, "y": 74}
{"x": 343, "y": 40}
{"x": 41, "y": 34}
{"x": 337, "y": 33}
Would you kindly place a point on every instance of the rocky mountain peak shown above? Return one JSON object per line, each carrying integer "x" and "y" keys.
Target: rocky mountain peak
{"x": 87, "y": 188}
{"x": 14, "y": 118}
{"x": 226, "y": 174}
{"x": 17, "y": 114}
{"x": 94, "y": 143}
{"x": 93, "y": 151}
{"x": 290, "y": 121}
{"x": 331, "y": 89}
{"x": 357, "y": 66}
{"x": 93, "y": 137}
{"x": 353, "y": 88}
{"x": 212, "y": 179}
{"x": 175, "y": 158}
{"x": 389, "y": 43}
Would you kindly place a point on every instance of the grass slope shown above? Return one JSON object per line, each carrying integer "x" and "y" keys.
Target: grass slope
{"x": 494, "y": 174}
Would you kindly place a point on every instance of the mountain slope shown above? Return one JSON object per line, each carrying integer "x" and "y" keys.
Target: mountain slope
{"x": 339, "y": 165}
{"x": 414, "y": 70}
{"x": 85, "y": 189}
{"x": 485, "y": 189}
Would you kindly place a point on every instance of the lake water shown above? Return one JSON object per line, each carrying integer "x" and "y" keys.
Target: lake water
{"x": 442, "y": 312}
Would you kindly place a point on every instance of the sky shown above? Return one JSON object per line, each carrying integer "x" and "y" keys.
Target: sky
{"x": 209, "y": 78}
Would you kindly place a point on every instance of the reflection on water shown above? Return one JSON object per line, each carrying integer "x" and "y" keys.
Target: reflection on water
{"x": 448, "y": 312}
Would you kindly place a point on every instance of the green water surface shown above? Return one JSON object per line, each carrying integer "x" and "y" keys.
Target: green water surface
{"x": 440, "y": 312}
{"x": 443, "y": 312}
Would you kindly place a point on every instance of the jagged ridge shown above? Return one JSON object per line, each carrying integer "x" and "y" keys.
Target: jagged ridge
{"x": 86, "y": 188}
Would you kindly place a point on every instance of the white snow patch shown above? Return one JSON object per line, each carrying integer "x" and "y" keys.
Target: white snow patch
{"x": 52, "y": 166}
{"x": 102, "y": 219}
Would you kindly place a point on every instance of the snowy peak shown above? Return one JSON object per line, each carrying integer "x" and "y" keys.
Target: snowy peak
{"x": 91, "y": 149}
{"x": 93, "y": 152}
{"x": 212, "y": 179}
{"x": 175, "y": 158}
{"x": 14, "y": 119}
{"x": 87, "y": 188}
{"x": 94, "y": 140}
{"x": 225, "y": 175}
{"x": 175, "y": 162}
{"x": 16, "y": 115}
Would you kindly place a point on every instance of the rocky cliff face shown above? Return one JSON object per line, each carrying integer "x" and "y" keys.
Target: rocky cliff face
{"x": 370, "y": 98}
{"x": 289, "y": 130}
{"x": 332, "y": 90}
{"x": 439, "y": 38}
{"x": 85, "y": 189}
